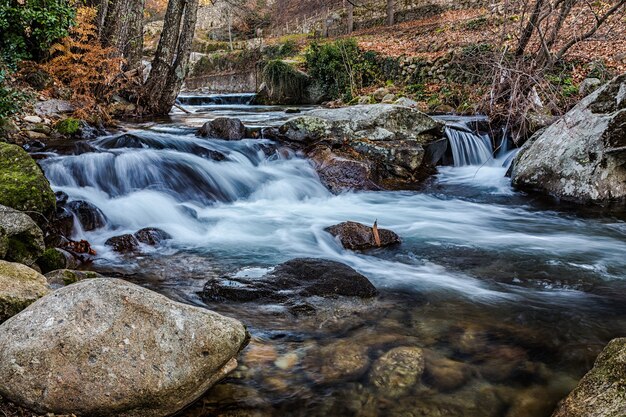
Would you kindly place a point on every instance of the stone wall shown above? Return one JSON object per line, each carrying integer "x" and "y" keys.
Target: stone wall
{"x": 235, "y": 82}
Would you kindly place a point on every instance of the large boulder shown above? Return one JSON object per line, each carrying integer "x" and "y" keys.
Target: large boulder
{"x": 20, "y": 286}
{"x": 302, "y": 277}
{"x": 602, "y": 391}
{"x": 105, "y": 347}
{"x": 23, "y": 185}
{"x": 383, "y": 143}
{"x": 357, "y": 236}
{"x": 223, "y": 128}
{"x": 21, "y": 240}
{"x": 582, "y": 156}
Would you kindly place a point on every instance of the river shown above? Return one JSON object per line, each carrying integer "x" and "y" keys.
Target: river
{"x": 510, "y": 296}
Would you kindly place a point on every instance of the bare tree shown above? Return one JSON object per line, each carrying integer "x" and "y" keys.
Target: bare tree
{"x": 391, "y": 12}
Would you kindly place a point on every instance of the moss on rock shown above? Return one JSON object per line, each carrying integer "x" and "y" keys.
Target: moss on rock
{"x": 69, "y": 126}
{"x": 51, "y": 260}
{"x": 23, "y": 185}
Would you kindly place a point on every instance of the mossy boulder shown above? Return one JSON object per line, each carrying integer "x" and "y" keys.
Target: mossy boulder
{"x": 602, "y": 391}
{"x": 55, "y": 258}
{"x": 21, "y": 240}
{"x": 23, "y": 185}
{"x": 20, "y": 286}
{"x": 69, "y": 126}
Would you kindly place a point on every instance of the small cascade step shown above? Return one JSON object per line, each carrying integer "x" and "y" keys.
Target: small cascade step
{"x": 216, "y": 99}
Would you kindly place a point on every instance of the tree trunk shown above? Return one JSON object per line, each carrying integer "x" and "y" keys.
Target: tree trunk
{"x": 530, "y": 28}
{"x": 391, "y": 12}
{"x": 350, "y": 17}
{"x": 170, "y": 63}
{"x": 133, "y": 46}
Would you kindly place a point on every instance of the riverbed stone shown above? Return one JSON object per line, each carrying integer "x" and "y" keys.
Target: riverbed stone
{"x": 297, "y": 278}
{"x": 397, "y": 371}
{"x": 337, "y": 361}
{"x": 223, "y": 128}
{"x": 123, "y": 243}
{"x": 20, "y": 286}
{"x": 21, "y": 239}
{"x": 106, "y": 347}
{"x": 23, "y": 185}
{"x": 152, "y": 236}
{"x": 602, "y": 391}
{"x": 582, "y": 156}
{"x": 357, "y": 236}
{"x": 89, "y": 216}
{"x": 443, "y": 373}
{"x": 63, "y": 277}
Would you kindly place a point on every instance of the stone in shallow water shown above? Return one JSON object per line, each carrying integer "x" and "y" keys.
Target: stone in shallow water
{"x": 223, "y": 128}
{"x": 338, "y": 361}
{"x": 357, "y": 236}
{"x": 152, "y": 236}
{"x": 443, "y": 373}
{"x": 398, "y": 371}
{"x": 123, "y": 244}
{"x": 89, "y": 216}
{"x": 105, "y": 347}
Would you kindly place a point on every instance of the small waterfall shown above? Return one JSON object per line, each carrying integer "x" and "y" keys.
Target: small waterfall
{"x": 469, "y": 148}
{"x": 216, "y": 100}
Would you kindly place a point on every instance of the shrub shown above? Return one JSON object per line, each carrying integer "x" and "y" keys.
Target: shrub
{"x": 69, "y": 126}
{"x": 29, "y": 27}
{"x": 339, "y": 68}
{"x": 11, "y": 98}
{"x": 285, "y": 83}
{"x": 281, "y": 50}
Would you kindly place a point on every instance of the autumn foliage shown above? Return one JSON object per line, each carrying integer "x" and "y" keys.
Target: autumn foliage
{"x": 91, "y": 71}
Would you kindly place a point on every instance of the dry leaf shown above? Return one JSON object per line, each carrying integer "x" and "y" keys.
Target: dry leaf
{"x": 375, "y": 233}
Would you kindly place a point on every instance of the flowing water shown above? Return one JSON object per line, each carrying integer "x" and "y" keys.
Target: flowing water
{"x": 510, "y": 297}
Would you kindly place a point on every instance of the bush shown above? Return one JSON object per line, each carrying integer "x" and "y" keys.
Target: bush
{"x": 69, "y": 126}
{"x": 29, "y": 27}
{"x": 11, "y": 99}
{"x": 339, "y": 68}
{"x": 286, "y": 84}
{"x": 281, "y": 50}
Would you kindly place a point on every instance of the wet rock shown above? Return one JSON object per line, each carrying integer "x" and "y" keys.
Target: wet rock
{"x": 20, "y": 286}
{"x": 396, "y": 372}
{"x": 223, "y": 128}
{"x": 602, "y": 391}
{"x": 152, "y": 236}
{"x": 287, "y": 361}
{"x": 302, "y": 277}
{"x": 63, "y": 277}
{"x": 56, "y": 258}
{"x": 89, "y": 216}
{"x": 502, "y": 363}
{"x": 259, "y": 354}
{"x": 338, "y": 361}
{"x": 23, "y": 239}
{"x": 580, "y": 157}
{"x": 357, "y": 236}
{"x": 123, "y": 244}
{"x": 340, "y": 174}
{"x": 23, "y": 185}
{"x": 34, "y": 146}
{"x": 292, "y": 111}
{"x": 445, "y": 374}
{"x": 106, "y": 347}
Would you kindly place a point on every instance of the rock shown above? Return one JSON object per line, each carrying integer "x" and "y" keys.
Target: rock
{"x": 63, "y": 277}
{"x": 292, "y": 111}
{"x": 588, "y": 86}
{"x": 23, "y": 185}
{"x": 406, "y": 102}
{"x": 382, "y": 144}
{"x": 445, "y": 374}
{"x": 357, "y": 236}
{"x": 105, "y": 347}
{"x": 33, "y": 135}
{"x": 302, "y": 277}
{"x": 23, "y": 239}
{"x": 89, "y": 216}
{"x": 54, "y": 108}
{"x": 61, "y": 223}
{"x": 397, "y": 371}
{"x": 380, "y": 93}
{"x": 365, "y": 100}
{"x": 389, "y": 98}
{"x": 582, "y": 156}
{"x": 32, "y": 119}
{"x": 123, "y": 244}
{"x": 223, "y": 128}
{"x": 338, "y": 361}
{"x": 20, "y": 286}
{"x": 602, "y": 391}
{"x": 152, "y": 236}
{"x": 56, "y": 258}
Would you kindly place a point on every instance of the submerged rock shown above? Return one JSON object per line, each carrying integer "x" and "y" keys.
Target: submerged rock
{"x": 602, "y": 391}
{"x": 23, "y": 185}
{"x": 581, "y": 157}
{"x": 89, "y": 216}
{"x": 223, "y": 128}
{"x": 123, "y": 244}
{"x": 21, "y": 240}
{"x": 396, "y": 372}
{"x": 337, "y": 361}
{"x": 152, "y": 236}
{"x": 20, "y": 286}
{"x": 357, "y": 236}
{"x": 105, "y": 347}
{"x": 302, "y": 277}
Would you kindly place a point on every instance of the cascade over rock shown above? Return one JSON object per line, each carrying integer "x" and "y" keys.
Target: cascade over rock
{"x": 105, "y": 347}
{"x": 387, "y": 142}
{"x": 582, "y": 156}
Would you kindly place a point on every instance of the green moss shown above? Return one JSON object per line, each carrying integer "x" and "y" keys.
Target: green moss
{"x": 287, "y": 85}
{"x": 22, "y": 183}
{"x": 69, "y": 126}
{"x": 51, "y": 260}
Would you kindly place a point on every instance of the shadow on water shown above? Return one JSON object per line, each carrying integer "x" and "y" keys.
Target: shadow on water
{"x": 509, "y": 297}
